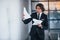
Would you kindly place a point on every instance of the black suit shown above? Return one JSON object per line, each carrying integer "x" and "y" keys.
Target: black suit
{"x": 36, "y": 32}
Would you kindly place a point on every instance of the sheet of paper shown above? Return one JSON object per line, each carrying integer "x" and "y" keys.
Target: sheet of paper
{"x": 36, "y": 22}
{"x": 26, "y": 15}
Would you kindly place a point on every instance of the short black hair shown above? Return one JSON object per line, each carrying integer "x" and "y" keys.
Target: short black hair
{"x": 41, "y": 6}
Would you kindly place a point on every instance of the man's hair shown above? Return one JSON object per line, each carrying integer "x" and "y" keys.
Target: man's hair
{"x": 41, "y": 6}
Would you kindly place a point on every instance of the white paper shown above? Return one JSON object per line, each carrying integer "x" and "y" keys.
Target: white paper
{"x": 26, "y": 15}
{"x": 36, "y": 22}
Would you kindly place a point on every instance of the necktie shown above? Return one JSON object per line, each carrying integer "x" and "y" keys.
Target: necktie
{"x": 38, "y": 16}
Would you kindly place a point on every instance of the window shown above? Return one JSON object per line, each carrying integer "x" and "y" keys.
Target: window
{"x": 52, "y": 8}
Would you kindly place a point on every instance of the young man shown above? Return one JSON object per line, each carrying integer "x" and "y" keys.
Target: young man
{"x": 37, "y": 31}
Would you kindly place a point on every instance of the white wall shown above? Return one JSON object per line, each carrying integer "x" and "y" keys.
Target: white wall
{"x": 4, "y": 29}
{"x": 11, "y": 26}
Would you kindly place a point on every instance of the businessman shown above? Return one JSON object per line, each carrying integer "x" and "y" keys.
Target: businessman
{"x": 37, "y": 31}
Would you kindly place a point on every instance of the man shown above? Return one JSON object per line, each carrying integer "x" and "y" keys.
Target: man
{"x": 37, "y": 31}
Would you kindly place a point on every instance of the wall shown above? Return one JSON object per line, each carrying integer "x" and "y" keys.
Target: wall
{"x": 11, "y": 25}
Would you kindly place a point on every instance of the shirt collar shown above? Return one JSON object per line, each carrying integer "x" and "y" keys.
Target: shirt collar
{"x": 40, "y": 13}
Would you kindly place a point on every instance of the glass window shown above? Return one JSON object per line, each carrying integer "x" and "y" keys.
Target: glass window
{"x": 54, "y": 24}
{"x": 54, "y": 5}
{"x": 39, "y": 0}
{"x": 44, "y": 3}
{"x": 52, "y": 8}
{"x": 54, "y": 14}
{"x": 53, "y": 0}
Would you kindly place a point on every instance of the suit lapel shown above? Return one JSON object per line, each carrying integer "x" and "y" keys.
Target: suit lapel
{"x": 40, "y": 17}
{"x": 36, "y": 15}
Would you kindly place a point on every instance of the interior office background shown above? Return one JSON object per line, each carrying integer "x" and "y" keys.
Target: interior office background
{"x": 12, "y": 27}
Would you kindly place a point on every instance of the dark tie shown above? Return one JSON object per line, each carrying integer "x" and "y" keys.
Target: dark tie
{"x": 38, "y": 16}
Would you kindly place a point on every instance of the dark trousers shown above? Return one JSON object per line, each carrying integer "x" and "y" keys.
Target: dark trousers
{"x": 36, "y": 37}
{"x": 37, "y": 34}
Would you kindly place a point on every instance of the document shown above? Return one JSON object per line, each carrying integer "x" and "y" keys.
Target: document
{"x": 26, "y": 15}
{"x": 36, "y": 22}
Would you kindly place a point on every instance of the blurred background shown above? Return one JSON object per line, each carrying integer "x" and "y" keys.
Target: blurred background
{"x": 12, "y": 27}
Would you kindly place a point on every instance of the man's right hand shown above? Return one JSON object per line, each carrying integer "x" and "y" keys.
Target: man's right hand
{"x": 40, "y": 25}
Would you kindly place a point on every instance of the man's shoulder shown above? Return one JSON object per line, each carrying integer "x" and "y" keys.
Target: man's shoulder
{"x": 44, "y": 14}
{"x": 33, "y": 13}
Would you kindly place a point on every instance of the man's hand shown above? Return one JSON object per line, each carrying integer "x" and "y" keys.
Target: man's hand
{"x": 40, "y": 25}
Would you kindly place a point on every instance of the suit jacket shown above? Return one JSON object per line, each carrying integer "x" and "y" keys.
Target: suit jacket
{"x": 35, "y": 29}
{"x": 43, "y": 17}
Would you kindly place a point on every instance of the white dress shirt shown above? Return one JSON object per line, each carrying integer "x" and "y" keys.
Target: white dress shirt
{"x": 39, "y": 14}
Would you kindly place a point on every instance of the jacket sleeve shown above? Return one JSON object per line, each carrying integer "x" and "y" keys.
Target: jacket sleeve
{"x": 45, "y": 23}
{"x": 27, "y": 20}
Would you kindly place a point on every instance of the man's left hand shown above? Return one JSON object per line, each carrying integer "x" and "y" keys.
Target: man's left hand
{"x": 40, "y": 25}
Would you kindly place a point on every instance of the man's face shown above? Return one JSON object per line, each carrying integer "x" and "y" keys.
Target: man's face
{"x": 38, "y": 9}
